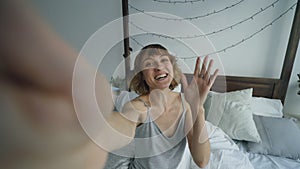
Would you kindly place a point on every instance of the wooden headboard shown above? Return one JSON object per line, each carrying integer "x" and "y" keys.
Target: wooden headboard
{"x": 263, "y": 87}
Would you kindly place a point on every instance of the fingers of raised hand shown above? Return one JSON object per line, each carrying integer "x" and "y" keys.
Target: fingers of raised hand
{"x": 214, "y": 76}
{"x": 197, "y": 72}
{"x": 197, "y": 67}
{"x": 203, "y": 68}
{"x": 205, "y": 72}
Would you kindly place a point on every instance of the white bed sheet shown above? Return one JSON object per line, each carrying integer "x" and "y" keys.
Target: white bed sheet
{"x": 225, "y": 154}
{"x": 226, "y": 159}
{"x": 260, "y": 161}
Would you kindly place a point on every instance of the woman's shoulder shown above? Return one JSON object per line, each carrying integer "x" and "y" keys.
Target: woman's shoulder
{"x": 137, "y": 107}
{"x": 140, "y": 100}
{"x": 136, "y": 104}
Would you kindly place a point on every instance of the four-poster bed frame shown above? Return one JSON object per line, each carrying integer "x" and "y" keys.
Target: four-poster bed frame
{"x": 262, "y": 87}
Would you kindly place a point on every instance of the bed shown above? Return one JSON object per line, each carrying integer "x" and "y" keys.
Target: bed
{"x": 251, "y": 134}
{"x": 250, "y": 131}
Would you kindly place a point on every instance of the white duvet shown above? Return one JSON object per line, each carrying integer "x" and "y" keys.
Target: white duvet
{"x": 225, "y": 153}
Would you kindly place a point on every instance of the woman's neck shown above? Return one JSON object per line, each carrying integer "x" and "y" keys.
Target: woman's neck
{"x": 166, "y": 91}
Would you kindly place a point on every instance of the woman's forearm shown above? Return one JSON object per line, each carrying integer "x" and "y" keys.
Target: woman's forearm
{"x": 199, "y": 142}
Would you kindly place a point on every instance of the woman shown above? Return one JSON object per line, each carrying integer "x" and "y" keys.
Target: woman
{"x": 162, "y": 118}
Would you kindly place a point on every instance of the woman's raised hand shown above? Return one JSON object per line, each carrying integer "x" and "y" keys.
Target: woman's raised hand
{"x": 196, "y": 91}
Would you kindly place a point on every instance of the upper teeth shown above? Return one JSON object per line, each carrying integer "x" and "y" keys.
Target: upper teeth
{"x": 160, "y": 76}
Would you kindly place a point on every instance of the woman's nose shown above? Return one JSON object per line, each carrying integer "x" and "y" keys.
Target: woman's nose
{"x": 157, "y": 69}
{"x": 158, "y": 66}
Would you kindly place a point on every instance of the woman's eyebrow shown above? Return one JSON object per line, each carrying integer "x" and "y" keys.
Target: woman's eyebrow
{"x": 164, "y": 55}
{"x": 147, "y": 60}
{"x": 151, "y": 59}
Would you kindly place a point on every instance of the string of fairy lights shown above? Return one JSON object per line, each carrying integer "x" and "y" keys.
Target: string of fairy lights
{"x": 212, "y": 32}
{"x": 187, "y": 18}
{"x": 223, "y": 29}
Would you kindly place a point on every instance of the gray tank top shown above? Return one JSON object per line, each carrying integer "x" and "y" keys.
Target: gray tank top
{"x": 151, "y": 149}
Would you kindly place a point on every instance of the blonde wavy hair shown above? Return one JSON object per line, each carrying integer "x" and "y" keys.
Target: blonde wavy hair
{"x": 138, "y": 84}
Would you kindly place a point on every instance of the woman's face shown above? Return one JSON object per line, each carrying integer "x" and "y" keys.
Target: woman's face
{"x": 157, "y": 71}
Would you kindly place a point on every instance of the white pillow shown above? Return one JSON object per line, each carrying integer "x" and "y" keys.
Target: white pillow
{"x": 231, "y": 111}
{"x": 266, "y": 107}
{"x": 237, "y": 121}
{"x": 213, "y": 113}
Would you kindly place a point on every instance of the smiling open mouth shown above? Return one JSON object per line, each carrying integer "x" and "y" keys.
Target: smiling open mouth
{"x": 161, "y": 77}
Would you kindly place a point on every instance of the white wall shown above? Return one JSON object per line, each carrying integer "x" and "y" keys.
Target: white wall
{"x": 261, "y": 55}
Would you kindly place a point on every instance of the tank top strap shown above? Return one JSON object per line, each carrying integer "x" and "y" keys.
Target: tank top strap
{"x": 145, "y": 104}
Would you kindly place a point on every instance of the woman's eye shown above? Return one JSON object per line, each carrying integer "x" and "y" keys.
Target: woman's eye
{"x": 165, "y": 60}
{"x": 148, "y": 64}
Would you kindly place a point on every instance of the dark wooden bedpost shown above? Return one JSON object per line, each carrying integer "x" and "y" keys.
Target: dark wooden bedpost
{"x": 126, "y": 54}
{"x": 281, "y": 87}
